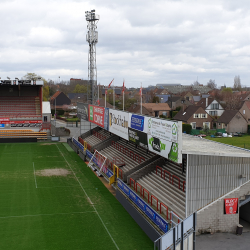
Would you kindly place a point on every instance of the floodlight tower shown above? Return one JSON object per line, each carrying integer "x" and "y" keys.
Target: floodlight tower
{"x": 92, "y": 38}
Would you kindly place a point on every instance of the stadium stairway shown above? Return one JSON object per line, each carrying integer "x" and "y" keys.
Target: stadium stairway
{"x": 25, "y": 133}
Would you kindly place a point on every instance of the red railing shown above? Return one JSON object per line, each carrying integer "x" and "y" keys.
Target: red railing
{"x": 131, "y": 180}
{"x": 162, "y": 204}
{"x": 100, "y": 136}
{"x": 137, "y": 184}
{"x": 145, "y": 190}
{"x": 155, "y": 200}
{"x": 171, "y": 178}
{"x": 128, "y": 152}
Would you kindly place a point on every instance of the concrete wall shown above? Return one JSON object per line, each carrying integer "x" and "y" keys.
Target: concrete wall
{"x": 213, "y": 217}
{"x": 59, "y": 131}
{"x": 245, "y": 212}
{"x": 237, "y": 124}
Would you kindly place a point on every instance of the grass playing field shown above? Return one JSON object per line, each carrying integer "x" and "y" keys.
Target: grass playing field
{"x": 43, "y": 207}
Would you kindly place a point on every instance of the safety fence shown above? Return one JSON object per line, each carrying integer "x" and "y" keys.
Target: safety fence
{"x": 128, "y": 152}
{"x": 172, "y": 178}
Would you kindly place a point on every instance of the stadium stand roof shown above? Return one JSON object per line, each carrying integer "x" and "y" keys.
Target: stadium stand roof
{"x": 200, "y": 146}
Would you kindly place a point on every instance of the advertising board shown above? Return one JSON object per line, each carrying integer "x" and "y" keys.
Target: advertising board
{"x": 96, "y": 115}
{"x": 118, "y": 123}
{"x": 164, "y": 138}
{"x": 145, "y": 208}
{"x": 83, "y": 111}
{"x": 231, "y": 206}
{"x": 106, "y": 119}
{"x": 138, "y": 122}
{"x": 138, "y": 137}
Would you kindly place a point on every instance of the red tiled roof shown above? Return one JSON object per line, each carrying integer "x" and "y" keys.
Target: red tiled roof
{"x": 55, "y": 95}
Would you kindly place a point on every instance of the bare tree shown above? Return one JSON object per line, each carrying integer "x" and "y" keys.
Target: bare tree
{"x": 211, "y": 84}
{"x": 237, "y": 83}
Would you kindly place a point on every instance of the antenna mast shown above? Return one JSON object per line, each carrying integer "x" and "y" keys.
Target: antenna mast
{"x": 92, "y": 38}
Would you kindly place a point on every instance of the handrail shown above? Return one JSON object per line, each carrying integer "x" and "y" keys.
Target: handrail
{"x": 155, "y": 200}
{"x": 183, "y": 187}
{"x": 137, "y": 184}
{"x": 160, "y": 169}
{"x": 133, "y": 182}
{"x": 165, "y": 171}
{"x": 147, "y": 192}
{"x": 162, "y": 204}
{"x": 174, "y": 176}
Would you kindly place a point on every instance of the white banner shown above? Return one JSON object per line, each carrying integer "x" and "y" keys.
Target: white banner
{"x": 118, "y": 123}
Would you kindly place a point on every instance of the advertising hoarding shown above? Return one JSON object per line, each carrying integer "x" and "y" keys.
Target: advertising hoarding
{"x": 138, "y": 137}
{"x": 231, "y": 206}
{"x": 106, "y": 119}
{"x": 138, "y": 122}
{"x": 83, "y": 111}
{"x": 118, "y": 123}
{"x": 96, "y": 115}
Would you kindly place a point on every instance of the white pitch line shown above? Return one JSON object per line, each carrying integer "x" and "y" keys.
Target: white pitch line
{"x": 89, "y": 199}
{"x": 35, "y": 215}
{"x": 34, "y": 173}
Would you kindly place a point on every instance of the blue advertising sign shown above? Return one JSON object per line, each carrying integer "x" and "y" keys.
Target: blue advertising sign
{"x": 137, "y": 122}
{"x": 2, "y": 125}
{"x": 78, "y": 144}
{"x": 160, "y": 222}
{"x": 106, "y": 119}
{"x": 109, "y": 173}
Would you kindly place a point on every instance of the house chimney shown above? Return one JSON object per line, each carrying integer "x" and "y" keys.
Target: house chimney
{"x": 206, "y": 102}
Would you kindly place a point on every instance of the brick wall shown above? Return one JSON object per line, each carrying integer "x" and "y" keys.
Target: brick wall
{"x": 213, "y": 216}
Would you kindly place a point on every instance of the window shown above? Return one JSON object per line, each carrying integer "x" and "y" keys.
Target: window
{"x": 164, "y": 113}
{"x": 215, "y": 106}
{"x": 203, "y": 115}
{"x": 244, "y": 111}
{"x": 213, "y": 113}
{"x": 193, "y": 124}
{"x": 196, "y": 115}
{"x": 206, "y": 124}
{"x": 45, "y": 119}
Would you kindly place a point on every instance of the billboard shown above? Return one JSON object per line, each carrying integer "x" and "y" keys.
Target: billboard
{"x": 118, "y": 123}
{"x": 106, "y": 119}
{"x": 231, "y": 206}
{"x": 138, "y": 137}
{"x": 138, "y": 122}
{"x": 96, "y": 115}
{"x": 164, "y": 138}
{"x": 82, "y": 111}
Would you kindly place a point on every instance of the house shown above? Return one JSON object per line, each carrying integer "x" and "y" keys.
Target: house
{"x": 178, "y": 101}
{"x": 77, "y": 97}
{"x": 233, "y": 121}
{"x": 211, "y": 105}
{"x": 59, "y": 99}
{"x": 118, "y": 91}
{"x": 151, "y": 109}
{"x": 245, "y": 110}
{"x": 102, "y": 103}
{"x": 196, "y": 116}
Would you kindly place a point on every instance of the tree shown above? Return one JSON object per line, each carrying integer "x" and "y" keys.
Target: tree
{"x": 31, "y": 76}
{"x": 156, "y": 99}
{"x": 211, "y": 84}
{"x": 80, "y": 89}
{"x": 237, "y": 83}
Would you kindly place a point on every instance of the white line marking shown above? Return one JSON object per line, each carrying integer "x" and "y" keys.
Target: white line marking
{"x": 88, "y": 198}
{"x": 34, "y": 173}
{"x": 34, "y": 215}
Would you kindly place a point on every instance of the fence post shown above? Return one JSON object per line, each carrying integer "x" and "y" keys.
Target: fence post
{"x": 182, "y": 232}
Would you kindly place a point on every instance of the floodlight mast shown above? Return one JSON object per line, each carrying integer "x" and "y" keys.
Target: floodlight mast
{"x": 92, "y": 38}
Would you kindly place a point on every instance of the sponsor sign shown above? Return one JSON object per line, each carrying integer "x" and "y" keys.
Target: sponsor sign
{"x": 96, "y": 115}
{"x": 137, "y": 122}
{"x": 163, "y": 129}
{"x": 138, "y": 137}
{"x": 78, "y": 144}
{"x": 2, "y": 125}
{"x": 4, "y": 119}
{"x": 17, "y": 122}
{"x": 118, "y": 123}
{"x": 106, "y": 119}
{"x": 231, "y": 206}
{"x": 160, "y": 222}
{"x": 82, "y": 111}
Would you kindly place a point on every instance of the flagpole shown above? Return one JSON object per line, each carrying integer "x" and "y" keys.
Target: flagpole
{"x": 105, "y": 98}
{"x": 123, "y": 100}
{"x": 141, "y": 98}
{"x": 98, "y": 94}
{"x": 123, "y": 90}
{"x": 114, "y": 96}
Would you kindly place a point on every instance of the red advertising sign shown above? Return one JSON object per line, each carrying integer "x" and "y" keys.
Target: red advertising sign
{"x": 96, "y": 115}
{"x": 231, "y": 205}
{"x": 4, "y": 120}
{"x": 15, "y": 122}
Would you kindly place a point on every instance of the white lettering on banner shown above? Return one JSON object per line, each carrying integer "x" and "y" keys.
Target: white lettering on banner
{"x": 98, "y": 119}
{"x": 159, "y": 221}
{"x": 133, "y": 195}
{"x": 140, "y": 202}
{"x": 118, "y": 121}
{"x": 98, "y": 110}
{"x": 150, "y": 211}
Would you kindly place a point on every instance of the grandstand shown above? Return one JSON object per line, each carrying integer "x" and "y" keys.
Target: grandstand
{"x": 21, "y": 110}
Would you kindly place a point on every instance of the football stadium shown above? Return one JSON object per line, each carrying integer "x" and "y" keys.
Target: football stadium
{"x": 129, "y": 182}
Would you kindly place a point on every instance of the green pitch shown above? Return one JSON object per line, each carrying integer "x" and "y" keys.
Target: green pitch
{"x": 50, "y": 199}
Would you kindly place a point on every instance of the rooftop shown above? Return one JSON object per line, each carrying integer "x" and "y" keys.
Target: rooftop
{"x": 198, "y": 146}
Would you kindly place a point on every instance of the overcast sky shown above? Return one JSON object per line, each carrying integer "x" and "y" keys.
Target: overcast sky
{"x": 140, "y": 41}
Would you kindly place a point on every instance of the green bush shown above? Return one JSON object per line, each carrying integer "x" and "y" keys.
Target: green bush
{"x": 186, "y": 128}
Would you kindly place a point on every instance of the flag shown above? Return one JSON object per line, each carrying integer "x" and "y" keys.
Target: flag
{"x": 140, "y": 91}
{"x": 106, "y": 92}
{"x": 123, "y": 87}
{"x": 110, "y": 84}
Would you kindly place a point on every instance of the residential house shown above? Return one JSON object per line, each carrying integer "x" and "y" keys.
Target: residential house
{"x": 151, "y": 109}
{"x": 196, "y": 116}
{"x": 245, "y": 110}
{"x": 178, "y": 101}
{"x": 211, "y": 105}
{"x": 233, "y": 121}
{"x": 77, "y": 97}
{"x": 59, "y": 99}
